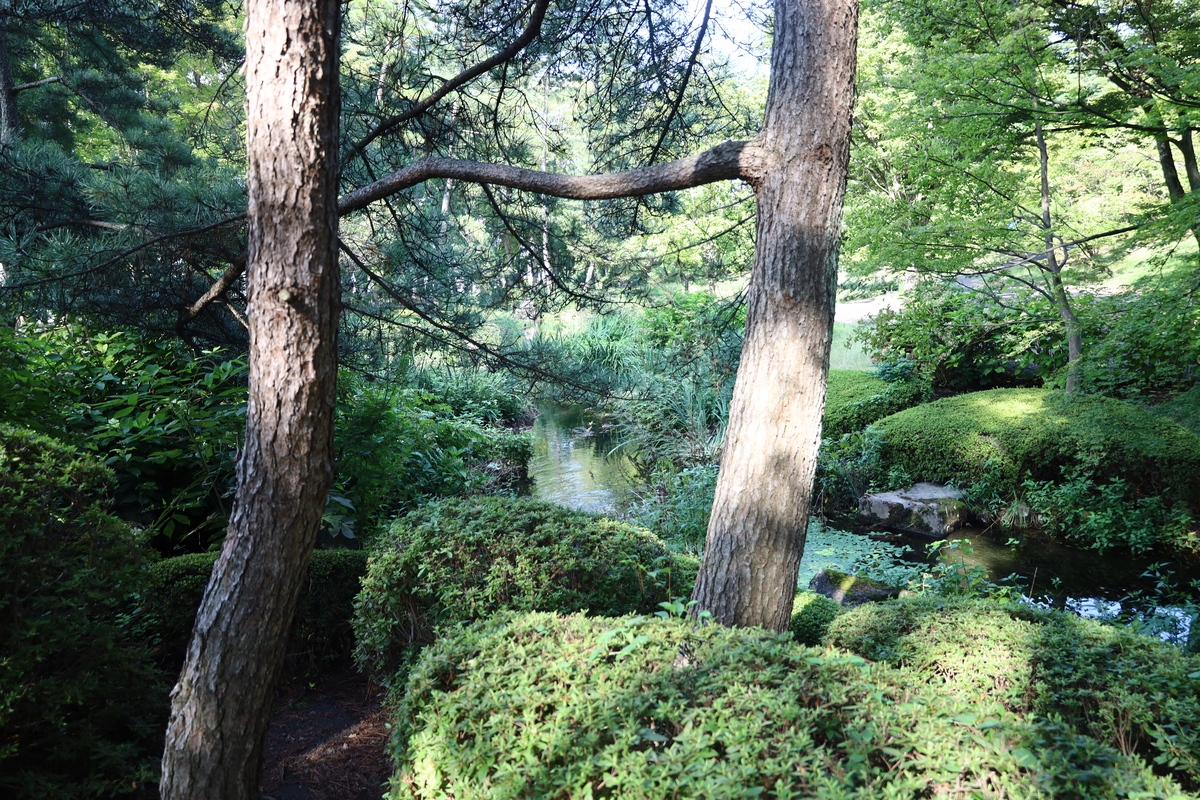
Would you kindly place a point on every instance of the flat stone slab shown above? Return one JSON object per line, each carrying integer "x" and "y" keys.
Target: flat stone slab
{"x": 850, "y": 590}
{"x": 927, "y": 509}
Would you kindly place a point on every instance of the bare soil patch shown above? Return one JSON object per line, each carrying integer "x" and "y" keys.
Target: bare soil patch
{"x": 327, "y": 740}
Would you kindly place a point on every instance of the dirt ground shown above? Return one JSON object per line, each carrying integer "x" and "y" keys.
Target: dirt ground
{"x": 327, "y": 740}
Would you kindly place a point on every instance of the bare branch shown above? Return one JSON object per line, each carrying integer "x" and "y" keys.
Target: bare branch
{"x": 231, "y": 274}
{"x": 35, "y": 84}
{"x": 93, "y": 223}
{"x": 683, "y": 86}
{"x": 727, "y": 161}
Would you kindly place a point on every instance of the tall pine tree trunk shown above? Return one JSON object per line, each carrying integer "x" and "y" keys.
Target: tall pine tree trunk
{"x": 760, "y": 515}
{"x": 10, "y": 125}
{"x": 220, "y": 705}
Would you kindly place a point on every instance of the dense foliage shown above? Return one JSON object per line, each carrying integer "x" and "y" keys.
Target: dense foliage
{"x": 1133, "y": 475}
{"x": 559, "y": 707}
{"x": 468, "y": 558}
{"x": 399, "y": 447}
{"x": 1144, "y": 340}
{"x": 81, "y": 702}
{"x": 166, "y": 421}
{"x": 963, "y": 340}
{"x": 321, "y": 633}
{"x": 1132, "y": 692}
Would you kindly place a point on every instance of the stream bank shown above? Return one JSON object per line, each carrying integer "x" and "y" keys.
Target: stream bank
{"x": 575, "y": 465}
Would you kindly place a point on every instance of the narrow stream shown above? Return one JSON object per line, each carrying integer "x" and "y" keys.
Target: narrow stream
{"x": 573, "y": 466}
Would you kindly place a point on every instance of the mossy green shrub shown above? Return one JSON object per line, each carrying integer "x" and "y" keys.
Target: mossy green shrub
{"x": 811, "y": 615}
{"x": 856, "y": 399}
{"x": 321, "y": 633}
{"x": 463, "y": 559}
{"x": 1183, "y": 408}
{"x": 536, "y": 705}
{"x": 1005, "y": 437}
{"x": 1132, "y": 692}
{"x": 81, "y": 701}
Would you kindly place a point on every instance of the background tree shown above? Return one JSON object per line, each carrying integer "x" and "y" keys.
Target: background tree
{"x": 969, "y": 172}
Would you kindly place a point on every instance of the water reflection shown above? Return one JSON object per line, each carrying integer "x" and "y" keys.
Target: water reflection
{"x": 1108, "y": 584}
{"x": 571, "y": 464}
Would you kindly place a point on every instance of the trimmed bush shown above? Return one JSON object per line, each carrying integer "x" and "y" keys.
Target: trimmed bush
{"x": 82, "y": 705}
{"x": 463, "y": 559}
{"x": 542, "y": 706}
{"x": 1132, "y": 692}
{"x": 1043, "y": 435}
{"x": 1116, "y": 456}
{"x": 321, "y": 633}
{"x": 856, "y": 399}
{"x": 811, "y": 615}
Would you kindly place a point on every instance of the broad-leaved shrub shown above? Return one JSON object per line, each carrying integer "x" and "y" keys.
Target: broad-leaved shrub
{"x": 463, "y": 559}
{"x": 396, "y": 449}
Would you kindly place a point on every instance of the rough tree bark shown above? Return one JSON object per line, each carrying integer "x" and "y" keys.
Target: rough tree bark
{"x": 760, "y": 514}
{"x": 10, "y": 126}
{"x": 220, "y": 705}
{"x": 798, "y": 167}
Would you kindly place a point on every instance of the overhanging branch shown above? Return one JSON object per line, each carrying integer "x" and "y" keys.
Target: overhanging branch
{"x": 727, "y": 161}
{"x": 517, "y": 45}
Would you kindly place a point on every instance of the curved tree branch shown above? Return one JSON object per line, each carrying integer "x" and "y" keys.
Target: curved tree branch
{"x": 727, "y": 161}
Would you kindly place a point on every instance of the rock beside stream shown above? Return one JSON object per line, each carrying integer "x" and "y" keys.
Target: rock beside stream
{"x": 850, "y": 590}
{"x": 927, "y": 509}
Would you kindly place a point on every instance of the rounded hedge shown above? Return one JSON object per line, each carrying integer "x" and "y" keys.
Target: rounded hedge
{"x": 537, "y": 705}
{"x": 854, "y": 400}
{"x": 82, "y": 704}
{"x": 321, "y": 632}
{"x": 811, "y": 615}
{"x": 1132, "y": 692}
{"x": 1014, "y": 434}
{"x": 467, "y": 558}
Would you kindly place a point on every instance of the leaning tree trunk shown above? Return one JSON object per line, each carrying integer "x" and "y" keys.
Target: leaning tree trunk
{"x": 219, "y": 707}
{"x": 760, "y": 514}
